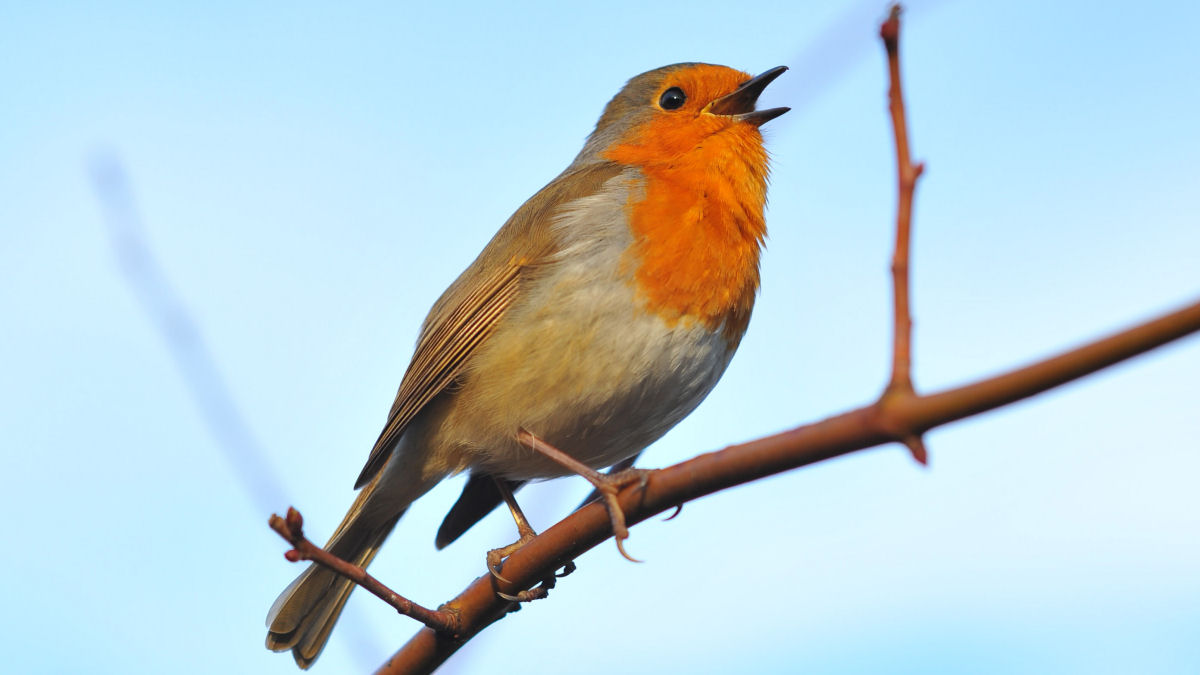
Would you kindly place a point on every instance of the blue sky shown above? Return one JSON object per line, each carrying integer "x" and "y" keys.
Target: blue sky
{"x": 311, "y": 178}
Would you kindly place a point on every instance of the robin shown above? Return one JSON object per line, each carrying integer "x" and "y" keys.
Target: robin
{"x": 598, "y": 317}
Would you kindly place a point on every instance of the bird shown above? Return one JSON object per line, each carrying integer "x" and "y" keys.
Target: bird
{"x": 603, "y": 311}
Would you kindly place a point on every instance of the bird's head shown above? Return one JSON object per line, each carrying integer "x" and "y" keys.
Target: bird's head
{"x": 663, "y": 114}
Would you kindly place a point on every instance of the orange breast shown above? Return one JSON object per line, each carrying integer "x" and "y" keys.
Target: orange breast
{"x": 697, "y": 223}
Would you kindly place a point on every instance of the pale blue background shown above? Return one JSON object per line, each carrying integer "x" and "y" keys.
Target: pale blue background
{"x": 312, "y": 177}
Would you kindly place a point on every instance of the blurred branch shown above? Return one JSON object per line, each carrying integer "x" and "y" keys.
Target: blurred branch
{"x": 900, "y": 415}
{"x": 833, "y": 54}
{"x": 182, "y": 335}
{"x": 179, "y": 330}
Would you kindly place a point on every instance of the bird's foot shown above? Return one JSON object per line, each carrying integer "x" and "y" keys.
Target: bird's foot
{"x": 496, "y": 556}
{"x": 495, "y": 560}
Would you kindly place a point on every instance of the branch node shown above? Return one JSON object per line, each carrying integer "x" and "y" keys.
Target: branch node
{"x": 916, "y": 447}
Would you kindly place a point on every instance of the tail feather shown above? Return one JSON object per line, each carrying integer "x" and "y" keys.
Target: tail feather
{"x": 479, "y": 496}
{"x": 304, "y": 614}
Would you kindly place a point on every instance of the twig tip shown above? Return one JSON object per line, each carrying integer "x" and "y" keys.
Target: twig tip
{"x": 295, "y": 521}
{"x": 889, "y": 30}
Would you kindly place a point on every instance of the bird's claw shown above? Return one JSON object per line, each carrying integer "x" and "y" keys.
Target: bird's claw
{"x": 535, "y": 593}
{"x": 495, "y": 561}
{"x": 566, "y": 569}
{"x": 608, "y": 487}
{"x": 540, "y": 591}
{"x": 496, "y": 556}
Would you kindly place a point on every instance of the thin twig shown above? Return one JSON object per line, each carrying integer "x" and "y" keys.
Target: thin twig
{"x": 444, "y": 621}
{"x": 907, "y": 175}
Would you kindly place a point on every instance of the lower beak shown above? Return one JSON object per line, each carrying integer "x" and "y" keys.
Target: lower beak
{"x": 739, "y": 104}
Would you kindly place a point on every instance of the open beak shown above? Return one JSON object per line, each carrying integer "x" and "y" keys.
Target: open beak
{"x": 739, "y": 104}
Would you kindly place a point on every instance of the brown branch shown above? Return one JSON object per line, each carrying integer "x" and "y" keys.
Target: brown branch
{"x": 292, "y": 529}
{"x": 907, "y": 175}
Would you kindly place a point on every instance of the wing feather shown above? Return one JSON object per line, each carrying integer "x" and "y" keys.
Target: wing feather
{"x": 440, "y": 355}
{"x": 470, "y": 309}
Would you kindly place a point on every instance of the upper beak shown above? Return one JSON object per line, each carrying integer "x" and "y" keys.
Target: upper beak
{"x": 739, "y": 104}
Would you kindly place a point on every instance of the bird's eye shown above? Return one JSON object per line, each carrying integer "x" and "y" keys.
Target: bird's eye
{"x": 672, "y": 99}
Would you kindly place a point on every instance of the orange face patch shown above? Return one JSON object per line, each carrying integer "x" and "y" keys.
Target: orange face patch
{"x": 698, "y": 226}
{"x": 673, "y": 132}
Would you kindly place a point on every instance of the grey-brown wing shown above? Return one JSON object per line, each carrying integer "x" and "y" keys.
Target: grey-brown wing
{"x": 440, "y": 356}
{"x": 468, "y": 313}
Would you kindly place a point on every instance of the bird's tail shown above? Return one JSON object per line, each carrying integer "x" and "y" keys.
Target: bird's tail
{"x": 304, "y": 614}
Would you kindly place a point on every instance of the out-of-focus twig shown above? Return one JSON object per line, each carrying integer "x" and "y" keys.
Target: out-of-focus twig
{"x": 179, "y": 330}
{"x": 201, "y": 375}
{"x": 831, "y": 56}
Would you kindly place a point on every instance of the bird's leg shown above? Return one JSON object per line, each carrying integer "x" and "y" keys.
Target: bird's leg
{"x": 525, "y": 531}
{"x": 608, "y": 485}
{"x": 495, "y": 557}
